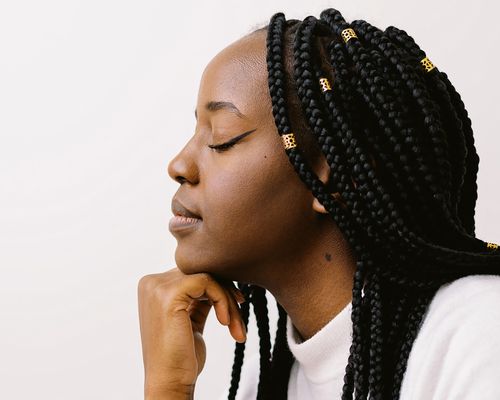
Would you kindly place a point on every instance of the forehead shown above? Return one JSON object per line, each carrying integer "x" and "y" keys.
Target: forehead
{"x": 238, "y": 74}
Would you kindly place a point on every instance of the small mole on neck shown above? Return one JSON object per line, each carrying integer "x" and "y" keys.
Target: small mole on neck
{"x": 328, "y": 257}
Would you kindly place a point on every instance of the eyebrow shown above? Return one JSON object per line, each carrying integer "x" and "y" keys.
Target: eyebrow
{"x": 222, "y": 105}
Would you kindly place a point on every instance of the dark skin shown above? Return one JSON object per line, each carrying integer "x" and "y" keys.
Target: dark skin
{"x": 260, "y": 223}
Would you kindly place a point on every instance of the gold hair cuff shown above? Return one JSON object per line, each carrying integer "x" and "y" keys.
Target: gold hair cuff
{"x": 348, "y": 33}
{"x": 325, "y": 84}
{"x": 289, "y": 141}
{"x": 492, "y": 246}
{"x": 427, "y": 64}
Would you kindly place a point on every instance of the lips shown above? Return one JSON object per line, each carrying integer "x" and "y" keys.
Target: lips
{"x": 179, "y": 209}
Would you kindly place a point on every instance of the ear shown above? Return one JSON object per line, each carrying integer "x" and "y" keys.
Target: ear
{"x": 318, "y": 207}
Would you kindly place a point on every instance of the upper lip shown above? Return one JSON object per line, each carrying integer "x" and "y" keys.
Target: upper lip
{"x": 179, "y": 209}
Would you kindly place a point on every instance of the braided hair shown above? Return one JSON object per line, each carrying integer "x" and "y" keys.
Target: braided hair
{"x": 401, "y": 188}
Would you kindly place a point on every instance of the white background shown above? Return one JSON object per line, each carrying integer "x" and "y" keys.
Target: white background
{"x": 96, "y": 97}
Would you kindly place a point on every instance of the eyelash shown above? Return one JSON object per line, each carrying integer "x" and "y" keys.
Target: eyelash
{"x": 219, "y": 148}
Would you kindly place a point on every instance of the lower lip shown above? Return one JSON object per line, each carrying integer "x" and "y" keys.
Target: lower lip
{"x": 179, "y": 222}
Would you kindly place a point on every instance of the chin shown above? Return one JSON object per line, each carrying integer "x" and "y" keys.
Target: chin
{"x": 187, "y": 266}
{"x": 189, "y": 263}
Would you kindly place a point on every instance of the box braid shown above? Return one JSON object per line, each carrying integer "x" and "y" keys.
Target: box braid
{"x": 436, "y": 87}
{"x": 469, "y": 188}
{"x": 389, "y": 116}
{"x": 259, "y": 303}
{"x": 239, "y": 351}
{"x": 299, "y": 89}
{"x": 402, "y": 188}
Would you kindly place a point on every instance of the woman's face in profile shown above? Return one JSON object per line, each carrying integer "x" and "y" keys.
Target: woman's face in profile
{"x": 254, "y": 208}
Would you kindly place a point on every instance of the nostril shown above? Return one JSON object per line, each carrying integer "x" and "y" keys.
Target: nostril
{"x": 180, "y": 179}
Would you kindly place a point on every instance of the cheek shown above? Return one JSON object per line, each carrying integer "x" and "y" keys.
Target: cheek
{"x": 254, "y": 211}
{"x": 237, "y": 203}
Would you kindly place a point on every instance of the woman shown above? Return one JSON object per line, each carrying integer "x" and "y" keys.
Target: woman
{"x": 334, "y": 166}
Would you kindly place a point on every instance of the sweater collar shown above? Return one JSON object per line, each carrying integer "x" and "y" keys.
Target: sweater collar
{"x": 323, "y": 356}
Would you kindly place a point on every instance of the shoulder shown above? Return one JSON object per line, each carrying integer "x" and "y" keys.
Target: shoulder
{"x": 456, "y": 353}
{"x": 461, "y": 304}
{"x": 247, "y": 388}
{"x": 471, "y": 287}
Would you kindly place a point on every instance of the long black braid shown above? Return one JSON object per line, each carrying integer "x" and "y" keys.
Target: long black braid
{"x": 402, "y": 187}
{"x": 239, "y": 351}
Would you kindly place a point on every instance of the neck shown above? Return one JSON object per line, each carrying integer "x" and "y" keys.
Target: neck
{"x": 317, "y": 284}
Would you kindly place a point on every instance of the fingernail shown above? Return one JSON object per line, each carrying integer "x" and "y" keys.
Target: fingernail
{"x": 240, "y": 296}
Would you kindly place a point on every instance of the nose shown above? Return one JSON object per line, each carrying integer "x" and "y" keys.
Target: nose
{"x": 183, "y": 168}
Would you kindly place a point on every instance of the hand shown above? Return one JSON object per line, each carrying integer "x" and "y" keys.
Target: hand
{"x": 173, "y": 308}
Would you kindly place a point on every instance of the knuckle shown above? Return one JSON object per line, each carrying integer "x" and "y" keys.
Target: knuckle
{"x": 200, "y": 281}
{"x": 204, "y": 277}
{"x": 198, "y": 284}
{"x": 153, "y": 287}
{"x": 149, "y": 282}
{"x": 145, "y": 283}
{"x": 159, "y": 293}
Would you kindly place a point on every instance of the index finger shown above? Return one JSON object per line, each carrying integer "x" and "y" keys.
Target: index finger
{"x": 204, "y": 287}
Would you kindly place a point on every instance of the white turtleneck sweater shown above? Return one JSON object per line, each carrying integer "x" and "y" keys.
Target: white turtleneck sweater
{"x": 455, "y": 356}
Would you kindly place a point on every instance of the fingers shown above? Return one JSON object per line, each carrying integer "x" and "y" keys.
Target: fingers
{"x": 204, "y": 287}
{"x": 198, "y": 313}
{"x": 237, "y": 326}
{"x": 235, "y": 297}
{"x": 196, "y": 294}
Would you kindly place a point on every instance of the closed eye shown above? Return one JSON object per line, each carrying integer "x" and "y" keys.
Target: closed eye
{"x": 221, "y": 147}
{"x": 224, "y": 146}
